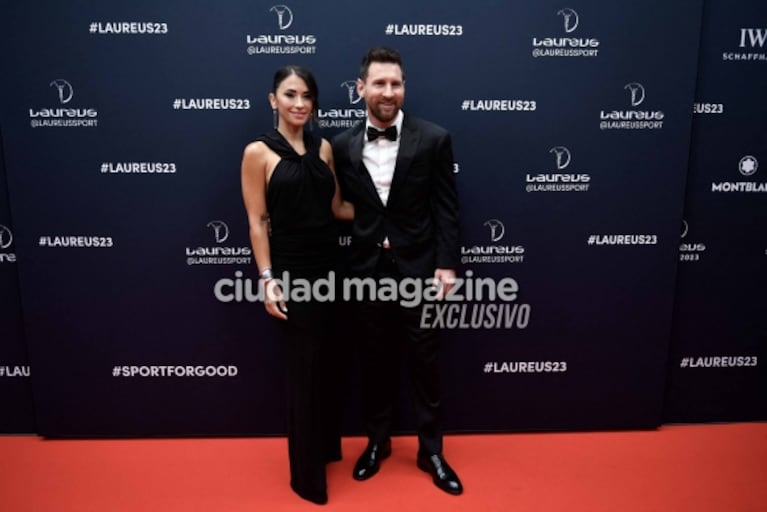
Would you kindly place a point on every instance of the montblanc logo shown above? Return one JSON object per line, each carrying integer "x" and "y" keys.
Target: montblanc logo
{"x": 6, "y": 237}
{"x": 562, "y": 155}
{"x": 351, "y": 89}
{"x": 220, "y": 230}
{"x": 637, "y": 93}
{"x": 570, "y": 19}
{"x": 497, "y": 229}
{"x": 284, "y": 16}
{"x": 64, "y": 90}
{"x": 748, "y": 165}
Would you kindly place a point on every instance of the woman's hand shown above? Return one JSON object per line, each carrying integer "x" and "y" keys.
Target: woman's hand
{"x": 274, "y": 301}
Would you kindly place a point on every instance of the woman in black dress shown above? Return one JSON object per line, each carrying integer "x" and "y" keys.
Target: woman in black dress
{"x": 292, "y": 200}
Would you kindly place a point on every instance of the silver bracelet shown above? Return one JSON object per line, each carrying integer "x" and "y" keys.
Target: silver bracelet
{"x": 266, "y": 274}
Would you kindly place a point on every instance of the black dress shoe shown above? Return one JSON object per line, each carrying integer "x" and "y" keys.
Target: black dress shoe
{"x": 370, "y": 461}
{"x": 443, "y": 475}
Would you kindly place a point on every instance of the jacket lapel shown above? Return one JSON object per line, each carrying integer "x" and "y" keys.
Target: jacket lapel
{"x": 356, "y": 141}
{"x": 408, "y": 144}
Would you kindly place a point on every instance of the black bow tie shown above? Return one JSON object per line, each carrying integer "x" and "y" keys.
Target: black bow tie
{"x": 390, "y": 133}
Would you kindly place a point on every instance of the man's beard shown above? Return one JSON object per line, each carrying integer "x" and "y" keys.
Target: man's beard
{"x": 384, "y": 116}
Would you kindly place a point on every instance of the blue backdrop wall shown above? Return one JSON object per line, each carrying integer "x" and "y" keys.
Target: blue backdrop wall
{"x": 15, "y": 384}
{"x": 585, "y": 135}
{"x": 720, "y": 325}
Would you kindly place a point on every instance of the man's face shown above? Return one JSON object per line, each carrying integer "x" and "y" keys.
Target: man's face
{"x": 384, "y": 92}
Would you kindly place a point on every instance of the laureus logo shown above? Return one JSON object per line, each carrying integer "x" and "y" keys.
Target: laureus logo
{"x": 284, "y": 16}
{"x": 6, "y": 237}
{"x": 632, "y": 119}
{"x": 493, "y": 253}
{"x": 64, "y": 90}
{"x": 570, "y": 19}
{"x": 689, "y": 251}
{"x": 348, "y": 116}
{"x": 218, "y": 254}
{"x": 497, "y": 229}
{"x": 748, "y": 165}
{"x": 637, "y": 93}
{"x": 562, "y": 155}
{"x": 220, "y": 230}
{"x": 351, "y": 89}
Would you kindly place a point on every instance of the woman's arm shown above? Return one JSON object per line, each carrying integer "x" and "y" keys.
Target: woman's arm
{"x": 343, "y": 210}
{"x": 253, "y": 177}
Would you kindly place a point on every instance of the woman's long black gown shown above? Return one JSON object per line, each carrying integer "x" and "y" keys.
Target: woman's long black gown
{"x": 304, "y": 242}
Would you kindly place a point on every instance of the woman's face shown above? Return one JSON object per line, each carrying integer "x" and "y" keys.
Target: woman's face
{"x": 293, "y": 101}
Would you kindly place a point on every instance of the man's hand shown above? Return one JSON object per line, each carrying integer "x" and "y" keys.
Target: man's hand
{"x": 444, "y": 279}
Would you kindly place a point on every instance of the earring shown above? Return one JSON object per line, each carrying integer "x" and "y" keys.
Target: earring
{"x": 275, "y": 120}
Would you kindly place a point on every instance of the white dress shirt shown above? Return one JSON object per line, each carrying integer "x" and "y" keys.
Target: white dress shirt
{"x": 380, "y": 157}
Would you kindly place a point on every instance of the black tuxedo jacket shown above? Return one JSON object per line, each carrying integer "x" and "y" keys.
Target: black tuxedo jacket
{"x": 421, "y": 214}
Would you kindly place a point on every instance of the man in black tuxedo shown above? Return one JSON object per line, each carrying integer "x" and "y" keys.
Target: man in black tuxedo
{"x": 398, "y": 172}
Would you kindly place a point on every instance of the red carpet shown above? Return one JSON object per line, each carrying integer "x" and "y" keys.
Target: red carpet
{"x": 696, "y": 468}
